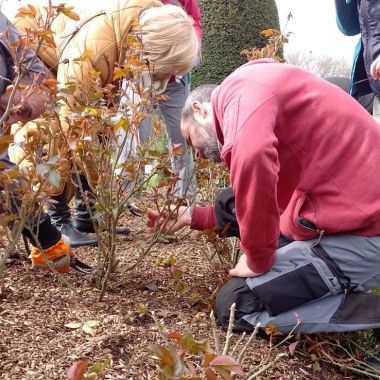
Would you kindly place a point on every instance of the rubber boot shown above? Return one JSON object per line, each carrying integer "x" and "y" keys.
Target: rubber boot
{"x": 82, "y": 219}
{"x": 52, "y": 246}
{"x": 60, "y": 216}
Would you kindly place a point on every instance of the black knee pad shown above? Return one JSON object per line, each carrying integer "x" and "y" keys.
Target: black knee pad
{"x": 236, "y": 291}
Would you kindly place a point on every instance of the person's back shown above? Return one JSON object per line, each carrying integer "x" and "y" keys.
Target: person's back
{"x": 327, "y": 161}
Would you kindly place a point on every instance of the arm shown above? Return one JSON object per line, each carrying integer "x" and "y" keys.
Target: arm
{"x": 33, "y": 66}
{"x": 32, "y": 102}
{"x": 347, "y": 17}
{"x": 254, "y": 167}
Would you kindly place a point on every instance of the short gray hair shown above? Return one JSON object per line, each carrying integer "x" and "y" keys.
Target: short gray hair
{"x": 201, "y": 94}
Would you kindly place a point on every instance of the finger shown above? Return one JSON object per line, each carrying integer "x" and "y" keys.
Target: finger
{"x": 150, "y": 222}
{"x": 152, "y": 214}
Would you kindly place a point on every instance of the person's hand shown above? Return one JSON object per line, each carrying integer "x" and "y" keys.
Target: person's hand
{"x": 242, "y": 269}
{"x": 23, "y": 110}
{"x": 169, "y": 223}
{"x": 375, "y": 68}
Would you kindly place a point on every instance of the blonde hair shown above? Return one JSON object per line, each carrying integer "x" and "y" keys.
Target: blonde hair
{"x": 170, "y": 42}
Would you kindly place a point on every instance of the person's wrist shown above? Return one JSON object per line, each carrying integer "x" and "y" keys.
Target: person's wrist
{"x": 188, "y": 215}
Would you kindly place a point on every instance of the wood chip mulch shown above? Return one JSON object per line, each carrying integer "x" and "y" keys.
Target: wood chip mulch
{"x": 35, "y": 307}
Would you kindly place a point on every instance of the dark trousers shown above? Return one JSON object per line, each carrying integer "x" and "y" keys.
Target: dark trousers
{"x": 46, "y": 234}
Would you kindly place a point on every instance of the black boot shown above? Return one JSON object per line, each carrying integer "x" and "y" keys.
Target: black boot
{"x": 59, "y": 213}
{"x": 82, "y": 219}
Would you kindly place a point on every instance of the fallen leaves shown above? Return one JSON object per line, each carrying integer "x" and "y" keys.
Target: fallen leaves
{"x": 88, "y": 327}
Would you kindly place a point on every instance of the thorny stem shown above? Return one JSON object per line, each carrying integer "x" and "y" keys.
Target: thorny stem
{"x": 238, "y": 343}
{"x": 215, "y": 332}
{"x": 353, "y": 369}
{"x": 290, "y": 335}
{"x": 144, "y": 253}
{"x": 109, "y": 262}
{"x": 251, "y": 338}
{"x": 229, "y": 329}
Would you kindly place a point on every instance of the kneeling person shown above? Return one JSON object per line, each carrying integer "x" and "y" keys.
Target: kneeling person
{"x": 304, "y": 198}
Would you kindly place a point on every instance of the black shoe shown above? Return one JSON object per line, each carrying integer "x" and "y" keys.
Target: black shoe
{"x": 75, "y": 237}
{"x": 86, "y": 225}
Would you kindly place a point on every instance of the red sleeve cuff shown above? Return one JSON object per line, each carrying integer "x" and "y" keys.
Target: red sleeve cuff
{"x": 203, "y": 218}
{"x": 261, "y": 265}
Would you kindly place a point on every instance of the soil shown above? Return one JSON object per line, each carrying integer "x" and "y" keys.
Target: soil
{"x": 35, "y": 307}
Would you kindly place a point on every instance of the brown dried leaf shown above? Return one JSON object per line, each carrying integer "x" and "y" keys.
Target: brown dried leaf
{"x": 292, "y": 347}
{"x": 77, "y": 370}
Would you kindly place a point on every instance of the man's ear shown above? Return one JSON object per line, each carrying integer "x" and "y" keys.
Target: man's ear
{"x": 199, "y": 108}
{"x": 196, "y": 106}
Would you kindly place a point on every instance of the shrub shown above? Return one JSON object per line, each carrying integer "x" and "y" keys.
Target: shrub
{"x": 229, "y": 27}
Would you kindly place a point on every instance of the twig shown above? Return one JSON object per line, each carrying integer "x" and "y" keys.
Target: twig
{"x": 237, "y": 343}
{"x": 229, "y": 329}
{"x": 215, "y": 333}
{"x": 266, "y": 367}
{"x": 253, "y": 336}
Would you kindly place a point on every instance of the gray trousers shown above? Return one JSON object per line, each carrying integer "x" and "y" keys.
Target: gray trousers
{"x": 313, "y": 286}
{"x": 301, "y": 277}
{"x": 171, "y": 110}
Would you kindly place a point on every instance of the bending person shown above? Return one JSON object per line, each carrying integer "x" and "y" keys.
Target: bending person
{"x": 170, "y": 45}
{"x": 306, "y": 208}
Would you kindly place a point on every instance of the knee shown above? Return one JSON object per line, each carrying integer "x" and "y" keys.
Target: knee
{"x": 235, "y": 291}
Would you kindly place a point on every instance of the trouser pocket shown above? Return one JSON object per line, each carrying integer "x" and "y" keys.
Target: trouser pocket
{"x": 297, "y": 277}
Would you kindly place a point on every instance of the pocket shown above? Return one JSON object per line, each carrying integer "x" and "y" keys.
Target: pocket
{"x": 292, "y": 289}
{"x": 297, "y": 277}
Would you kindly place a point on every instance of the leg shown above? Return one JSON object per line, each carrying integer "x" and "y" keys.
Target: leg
{"x": 41, "y": 232}
{"x": 172, "y": 110}
{"x": 45, "y": 234}
{"x": 60, "y": 214}
{"x": 82, "y": 220}
{"x": 367, "y": 101}
{"x": 305, "y": 283}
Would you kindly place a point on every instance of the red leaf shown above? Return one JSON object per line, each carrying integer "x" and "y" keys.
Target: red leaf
{"x": 175, "y": 336}
{"x": 228, "y": 363}
{"x": 77, "y": 370}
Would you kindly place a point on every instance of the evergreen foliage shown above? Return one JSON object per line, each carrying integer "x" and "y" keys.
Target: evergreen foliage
{"x": 229, "y": 27}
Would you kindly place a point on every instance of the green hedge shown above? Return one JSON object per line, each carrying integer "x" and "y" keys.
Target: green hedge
{"x": 230, "y": 26}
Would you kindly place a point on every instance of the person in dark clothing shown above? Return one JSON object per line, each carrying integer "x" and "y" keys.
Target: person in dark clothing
{"x": 362, "y": 17}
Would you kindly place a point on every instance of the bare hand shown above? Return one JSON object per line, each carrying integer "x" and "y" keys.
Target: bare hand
{"x": 375, "y": 68}
{"x": 23, "y": 110}
{"x": 242, "y": 269}
{"x": 169, "y": 223}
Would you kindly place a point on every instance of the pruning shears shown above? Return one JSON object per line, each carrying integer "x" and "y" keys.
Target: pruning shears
{"x": 134, "y": 210}
{"x": 80, "y": 266}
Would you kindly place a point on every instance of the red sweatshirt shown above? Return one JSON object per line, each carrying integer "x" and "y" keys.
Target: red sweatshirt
{"x": 296, "y": 146}
{"x": 192, "y": 9}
